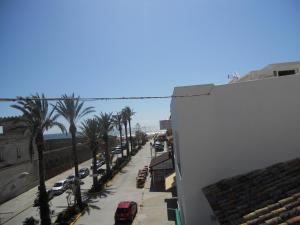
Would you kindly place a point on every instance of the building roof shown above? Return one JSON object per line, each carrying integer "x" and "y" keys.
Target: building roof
{"x": 160, "y": 159}
{"x": 268, "y": 71}
{"x": 267, "y": 196}
{"x": 165, "y": 165}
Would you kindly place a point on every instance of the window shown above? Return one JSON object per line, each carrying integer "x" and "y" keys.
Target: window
{"x": 18, "y": 152}
{"x": 286, "y": 72}
{"x": 1, "y": 154}
{"x": 1, "y": 130}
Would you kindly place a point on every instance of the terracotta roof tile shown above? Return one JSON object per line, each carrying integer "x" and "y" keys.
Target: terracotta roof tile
{"x": 262, "y": 197}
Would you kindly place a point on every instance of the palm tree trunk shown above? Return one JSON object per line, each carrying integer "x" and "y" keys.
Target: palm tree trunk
{"x": 43, "y": 196}
{"x": 77, "y": 182}
{"x": 120, "y": 130}
{"x": 126, "y": 136}
{"x": 95, "y": 181}
{"x": 130, "y": 138}
{"x": 107, "y": 159}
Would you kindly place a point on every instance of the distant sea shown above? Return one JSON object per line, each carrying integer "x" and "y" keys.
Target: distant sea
{"x": 57, "y": 136}
{"x": 64, "y": 136}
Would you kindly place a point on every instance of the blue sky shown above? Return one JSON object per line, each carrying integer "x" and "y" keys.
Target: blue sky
{"x": 113, "y": 48}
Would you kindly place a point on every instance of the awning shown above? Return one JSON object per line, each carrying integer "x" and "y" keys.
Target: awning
{"x": 170, "y": 181}
{"x": 178, "y": 218}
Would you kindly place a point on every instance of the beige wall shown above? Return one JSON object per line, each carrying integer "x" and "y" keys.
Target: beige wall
{"x": 56, "y": 161}
{"x": 17, "y": 179}
{"x": 237, "y": 128}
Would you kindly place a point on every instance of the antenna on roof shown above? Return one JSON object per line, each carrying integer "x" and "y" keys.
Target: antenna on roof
{"x": 234, "y": 76}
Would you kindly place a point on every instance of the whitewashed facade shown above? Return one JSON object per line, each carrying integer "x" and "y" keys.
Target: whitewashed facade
{"x": 229, "y": 130}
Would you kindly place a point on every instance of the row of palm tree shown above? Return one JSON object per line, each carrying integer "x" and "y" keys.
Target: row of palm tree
{"x": 37, "y": 118}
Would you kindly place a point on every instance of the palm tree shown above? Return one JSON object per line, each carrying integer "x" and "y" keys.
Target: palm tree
{"x": 129, "y": 112}
{"x": 71, "y": 108}
{"x": 105, "y": 123}
{"x": 38, "y": 119}
{"x": 90, "y": 129}
{"x": 117, "y": 122}
{"x": 125, "y": 122}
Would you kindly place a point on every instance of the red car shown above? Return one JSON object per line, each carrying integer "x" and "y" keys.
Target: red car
{"x": 126, "y": 211}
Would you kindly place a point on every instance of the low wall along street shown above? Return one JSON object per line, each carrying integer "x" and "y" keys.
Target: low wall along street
{"x": 23, "y": 176}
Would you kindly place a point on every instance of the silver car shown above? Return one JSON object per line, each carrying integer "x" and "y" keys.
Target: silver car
{"x": 59, "y": 187}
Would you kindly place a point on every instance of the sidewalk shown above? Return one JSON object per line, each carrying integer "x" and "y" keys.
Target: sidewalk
{"x": 153, "y": 208}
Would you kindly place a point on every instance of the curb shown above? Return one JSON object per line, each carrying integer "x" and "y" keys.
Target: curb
{"x": 76, "y": 218}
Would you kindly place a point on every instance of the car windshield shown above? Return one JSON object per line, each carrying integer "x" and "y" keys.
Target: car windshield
{"x": 71, "y": 176}
{"x": 122, "y": 210}
{"x": 58, "y": 184}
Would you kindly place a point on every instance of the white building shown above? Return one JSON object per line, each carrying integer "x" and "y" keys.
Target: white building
{"x": 272, "y": 70}
{"x": 230, "y": 129}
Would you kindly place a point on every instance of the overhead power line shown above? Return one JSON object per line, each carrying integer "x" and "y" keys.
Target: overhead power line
{"x": 106, "y": 98}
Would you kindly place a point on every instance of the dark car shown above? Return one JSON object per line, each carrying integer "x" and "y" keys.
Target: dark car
{"x": 117, "y": 150}
{"x": 83, "y": 172}
{"x": 70, "y": 179}
{"x": 126, "y": 211}
{"x": 99, "y": 163}
{"x": 124, "y": 145}
{"x": 50, "y": 196}
{"x": 159, "y": 147}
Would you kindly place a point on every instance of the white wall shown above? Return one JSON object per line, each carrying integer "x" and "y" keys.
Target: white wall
{"x": 237, "y": 128}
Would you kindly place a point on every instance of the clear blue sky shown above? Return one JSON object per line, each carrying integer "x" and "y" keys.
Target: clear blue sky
{"x": 113, "y": 48}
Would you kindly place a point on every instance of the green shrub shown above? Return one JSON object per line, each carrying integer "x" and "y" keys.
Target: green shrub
{"x": 67, "y": 216}
{"x": 30, "y": 221}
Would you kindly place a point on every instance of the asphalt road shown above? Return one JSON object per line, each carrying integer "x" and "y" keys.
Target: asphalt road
{"x": 152, "y": 208}
{"x": 121, "y": 188}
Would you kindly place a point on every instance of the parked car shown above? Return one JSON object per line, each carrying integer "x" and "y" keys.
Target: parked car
{"x": 60, "y": 187}
{"x": 70, "y": 179}
{"x": 159, "y": 146}
{"x": 117, "y": 150}
{"x": 124, "y": 145}
{"x": 50, "y": 196}
{"x": 126, "y": 211}
{"x": 99, "y": 163}
{"x": 83, "y": 172}
{"x": 100, "y": 171}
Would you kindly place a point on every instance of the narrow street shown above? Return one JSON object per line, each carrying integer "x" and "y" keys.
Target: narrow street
{"x": 152, "y": 208}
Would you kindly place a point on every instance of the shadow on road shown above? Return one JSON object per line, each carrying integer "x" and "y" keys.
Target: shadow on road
{"x": 123, "y": 171}
{"x": 123, "y": 223}
{"x": 102, "y": 194}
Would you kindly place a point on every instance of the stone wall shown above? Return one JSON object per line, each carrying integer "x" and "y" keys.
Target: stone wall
{"x": 23, "y": 176}
{"x": 60, "y": 160}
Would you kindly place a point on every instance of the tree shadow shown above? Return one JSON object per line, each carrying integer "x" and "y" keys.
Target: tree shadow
{"x": 90, "y": 206}
{"x": 123, "y": 223}
{"x": 123, "y": 171}
{"x": 102, "y": 194}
